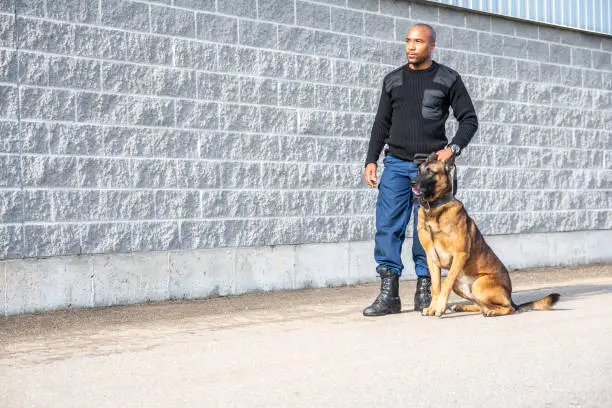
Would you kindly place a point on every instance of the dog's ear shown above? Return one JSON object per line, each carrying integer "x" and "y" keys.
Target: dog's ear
{"x": 432, "y": 157}
{"x": 450, "y": 162}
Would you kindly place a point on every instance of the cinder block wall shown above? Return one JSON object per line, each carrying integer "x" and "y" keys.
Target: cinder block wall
{"x": 137, "y": 126}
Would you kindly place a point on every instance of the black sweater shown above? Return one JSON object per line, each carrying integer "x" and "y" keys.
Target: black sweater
{"x": 413, "y": 109}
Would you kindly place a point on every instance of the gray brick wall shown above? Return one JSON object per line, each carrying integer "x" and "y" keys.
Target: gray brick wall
{"x": 182, "y": 124}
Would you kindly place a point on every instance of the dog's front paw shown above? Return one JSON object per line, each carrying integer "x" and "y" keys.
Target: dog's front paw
{"x": 428, "y": 311}
{"x": 489, "y": 313}
{"x": 440, "y": 308}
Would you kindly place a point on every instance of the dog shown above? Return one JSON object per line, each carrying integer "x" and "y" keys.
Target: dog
{"x": 452, "y": 241}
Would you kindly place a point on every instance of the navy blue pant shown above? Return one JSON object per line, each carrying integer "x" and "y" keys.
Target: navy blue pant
{"x": 393, "y": 208}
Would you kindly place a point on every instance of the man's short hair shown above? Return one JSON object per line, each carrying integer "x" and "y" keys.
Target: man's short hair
{"x": 432, "y": 32}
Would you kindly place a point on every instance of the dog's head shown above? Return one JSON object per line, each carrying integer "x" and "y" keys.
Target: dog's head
{"x": 433, "y": 180}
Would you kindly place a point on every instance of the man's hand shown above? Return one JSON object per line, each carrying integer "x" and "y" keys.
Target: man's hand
{"x": 369, "y": 174}
{"x": 444, "y": 154}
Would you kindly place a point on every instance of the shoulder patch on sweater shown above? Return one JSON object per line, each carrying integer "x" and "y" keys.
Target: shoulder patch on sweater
{"x": 445, "y": 76}
{"x": 393, "y": 79}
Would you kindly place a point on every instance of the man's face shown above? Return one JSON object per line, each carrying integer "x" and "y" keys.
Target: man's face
{"x": 418, "y": 45}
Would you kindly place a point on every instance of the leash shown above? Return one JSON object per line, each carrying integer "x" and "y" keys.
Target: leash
{"x": 454, "y": 179}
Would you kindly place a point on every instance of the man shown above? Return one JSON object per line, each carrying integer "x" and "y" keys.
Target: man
{"x": 411, "y": 117}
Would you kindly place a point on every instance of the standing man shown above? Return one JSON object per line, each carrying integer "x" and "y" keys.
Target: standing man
{"x": 411, "y": 119}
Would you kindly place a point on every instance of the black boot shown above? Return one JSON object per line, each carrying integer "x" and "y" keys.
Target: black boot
{"x": 422, "y": 296}
{"x": 388, "y": 300}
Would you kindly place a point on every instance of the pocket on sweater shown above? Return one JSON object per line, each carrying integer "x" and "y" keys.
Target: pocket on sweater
{"x": 433, "y": 99}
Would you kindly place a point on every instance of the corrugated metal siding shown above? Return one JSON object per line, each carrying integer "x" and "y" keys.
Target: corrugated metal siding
{"x": 591, "y": 15}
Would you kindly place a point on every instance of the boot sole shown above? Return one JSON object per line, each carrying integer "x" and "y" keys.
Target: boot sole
{"x": 382, "y": 314}
{"x": 391, "y": 311}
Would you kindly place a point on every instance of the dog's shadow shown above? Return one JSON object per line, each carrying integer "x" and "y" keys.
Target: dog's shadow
{"x": 571, "y": 292}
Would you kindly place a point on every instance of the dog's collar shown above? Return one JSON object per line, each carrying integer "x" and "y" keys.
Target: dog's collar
{"x": 428, "y": 205}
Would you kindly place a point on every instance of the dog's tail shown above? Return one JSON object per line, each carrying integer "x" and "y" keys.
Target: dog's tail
{"x": 546, "y": 303}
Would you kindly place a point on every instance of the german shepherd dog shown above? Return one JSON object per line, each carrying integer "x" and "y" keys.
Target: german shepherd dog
{"x": 452, "y": 241}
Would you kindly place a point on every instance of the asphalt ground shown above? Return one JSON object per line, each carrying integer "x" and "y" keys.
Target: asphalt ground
{"x": 313, "y": 348}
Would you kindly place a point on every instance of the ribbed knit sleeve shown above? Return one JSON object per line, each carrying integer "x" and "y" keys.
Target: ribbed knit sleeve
{"x": 380, "y": 128}
{"x": 464, "y": 111}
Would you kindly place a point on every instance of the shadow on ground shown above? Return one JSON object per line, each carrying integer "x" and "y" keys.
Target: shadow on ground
{"x": 570, "y": 291}
{"x": 223, "y": 312}
{"x": 46, "y": 337}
